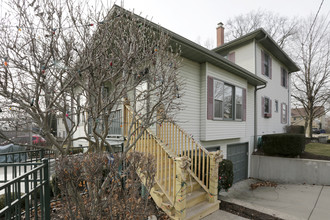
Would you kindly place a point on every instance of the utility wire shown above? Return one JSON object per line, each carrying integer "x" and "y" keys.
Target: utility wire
{"x": 318, "y": 11}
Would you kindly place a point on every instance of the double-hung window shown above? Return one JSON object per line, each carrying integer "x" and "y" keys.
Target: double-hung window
{"x": 284, "y": 78}
{"x": 284, "y": 113}
{"x": 266, "y": 104}
{"x": 238, "y": 103}
{"x": 266, "y": 64}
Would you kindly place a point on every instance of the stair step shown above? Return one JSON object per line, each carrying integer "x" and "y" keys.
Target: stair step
{"x": 195, "y": 197}
{"x": 201, "y": 210}
{"x": 159, "y": 193}
{"x": 167, "y": 205}
{"x": 192, "y": 186}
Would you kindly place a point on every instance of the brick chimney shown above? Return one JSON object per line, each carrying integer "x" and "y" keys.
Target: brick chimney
{"x": 220, "y": 34}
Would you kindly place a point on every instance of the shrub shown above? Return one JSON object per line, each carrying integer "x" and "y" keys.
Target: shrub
{"x": 283, "y": 144}
{"x": 295, "y": 129}
{"x": 226, "y": 175}
{"x": 98, "y": 186}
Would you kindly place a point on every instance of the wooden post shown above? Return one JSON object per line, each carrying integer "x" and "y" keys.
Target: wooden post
{"x": 180, "y": 203}
{"x": 213, "y": 187}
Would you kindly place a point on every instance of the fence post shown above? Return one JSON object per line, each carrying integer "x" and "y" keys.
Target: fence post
{"x": 180, "y": 203}
{"x": 46, "y": 199}
{"x": 42, "y": 153}
{"x": 213, "y": 184}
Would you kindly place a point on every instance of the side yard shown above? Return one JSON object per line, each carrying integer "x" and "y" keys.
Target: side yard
{"x": 318, "y": 149}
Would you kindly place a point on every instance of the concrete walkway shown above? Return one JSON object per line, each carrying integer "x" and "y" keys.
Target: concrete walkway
{"x": 286, "y": 201}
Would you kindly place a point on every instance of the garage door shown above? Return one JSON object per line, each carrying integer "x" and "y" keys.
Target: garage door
{"x": 238, "y": 154}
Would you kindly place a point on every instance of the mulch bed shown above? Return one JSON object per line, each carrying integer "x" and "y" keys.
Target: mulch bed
{"x": 58, "y": 213}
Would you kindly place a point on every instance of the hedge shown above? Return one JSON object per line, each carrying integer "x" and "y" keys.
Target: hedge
{"x": 295, "y": 129}
{"x": 283, "y": 144}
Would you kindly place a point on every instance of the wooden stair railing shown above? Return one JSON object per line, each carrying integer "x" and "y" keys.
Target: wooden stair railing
{"x": 183, "y": 144}
{"x": 172, "y": 148}
{"x": 150, "y": 144}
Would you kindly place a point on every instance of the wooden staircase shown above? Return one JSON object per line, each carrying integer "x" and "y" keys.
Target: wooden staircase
{"x": 187, "y": 174}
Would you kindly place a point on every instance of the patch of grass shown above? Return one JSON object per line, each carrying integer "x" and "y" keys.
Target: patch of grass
{"x": 318, "y": 149}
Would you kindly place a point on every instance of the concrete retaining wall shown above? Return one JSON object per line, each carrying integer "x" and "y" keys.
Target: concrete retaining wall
{"x": 290, "y": 170}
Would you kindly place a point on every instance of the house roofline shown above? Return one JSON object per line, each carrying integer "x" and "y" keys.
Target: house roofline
{"x": 197, "y": 53}
{"x": 262, "y": 37}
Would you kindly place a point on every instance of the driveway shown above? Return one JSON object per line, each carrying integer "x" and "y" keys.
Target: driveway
{"x": 286, "y": 201}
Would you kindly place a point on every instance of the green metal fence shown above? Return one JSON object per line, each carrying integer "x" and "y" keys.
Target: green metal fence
{"x": 28, "y": 195}
{"x": 30, "y": 157}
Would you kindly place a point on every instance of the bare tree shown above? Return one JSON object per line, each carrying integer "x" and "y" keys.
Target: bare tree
{"x": 280, "y": 28}
{"x": 70, "y": 60}
{"x": 311, "y": 86}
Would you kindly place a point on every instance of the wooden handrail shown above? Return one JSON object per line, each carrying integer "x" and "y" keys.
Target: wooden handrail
{"x": 180, "y": 143}
{"x": 150, "y": 144}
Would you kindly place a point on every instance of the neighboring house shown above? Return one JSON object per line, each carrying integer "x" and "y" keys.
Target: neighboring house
{"x": 298, "y": 117}
{"x": 233, "y": 94}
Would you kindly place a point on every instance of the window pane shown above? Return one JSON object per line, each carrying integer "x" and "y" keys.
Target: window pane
{"x": 218, "y": 99}
{"x": 218, "y": 90}
{"x": 228, "y": 102}
{"x": 284, "y": 113}
{"x": 266, "y": 64}
{"x": 217, "y": 109}
{"x": 266, "y": 105}
{"x": 239, "y": 102}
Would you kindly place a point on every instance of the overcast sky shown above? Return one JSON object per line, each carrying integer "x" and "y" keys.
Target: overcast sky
{"x": 193, "y": 19}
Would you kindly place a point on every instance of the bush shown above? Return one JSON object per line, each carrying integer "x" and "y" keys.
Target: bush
{"x": 13, "y": 197}
{"x": 295, "y": 129}
{"x": 226, "y": 175}
{"x": 283, "y": 144}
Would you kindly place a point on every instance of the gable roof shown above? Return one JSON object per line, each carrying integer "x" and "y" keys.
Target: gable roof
{"x": 262, "y": 37}
{"x": 199, "y": 54}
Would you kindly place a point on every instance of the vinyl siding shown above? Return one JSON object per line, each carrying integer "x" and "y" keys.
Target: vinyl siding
{"x": 274, "y": 91}
{"x": 189, "y": 117}
{"x": 244, "y": 56}
{"x": 220, "y": 129}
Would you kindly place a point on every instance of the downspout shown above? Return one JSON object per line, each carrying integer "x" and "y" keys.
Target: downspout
{"x": 289, "y": 101}
{"x": 255, "y": 94}
{"x": 255, "y": 116}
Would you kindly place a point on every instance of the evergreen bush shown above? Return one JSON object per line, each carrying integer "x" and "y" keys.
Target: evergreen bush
{"x": 283, "y": 144}
{"x": 226, "y": 175}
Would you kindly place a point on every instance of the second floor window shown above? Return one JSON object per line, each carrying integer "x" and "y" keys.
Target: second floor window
{"x": 284, "y": 78}
{"x": 266, "y": 64}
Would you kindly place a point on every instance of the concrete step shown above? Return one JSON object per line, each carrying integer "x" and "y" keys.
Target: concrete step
{"x": 201, "y": 210}
{"x": 195, "y": 197}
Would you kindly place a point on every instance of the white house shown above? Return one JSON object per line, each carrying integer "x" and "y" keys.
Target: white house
{"x": 232, "y": 94}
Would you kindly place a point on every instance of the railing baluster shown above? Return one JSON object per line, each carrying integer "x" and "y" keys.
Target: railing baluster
{"x": 196, "y": 157}
{"x": 166, "y": 183}
{"x": 203, "y": 167}
{"x": 199, "y": 162}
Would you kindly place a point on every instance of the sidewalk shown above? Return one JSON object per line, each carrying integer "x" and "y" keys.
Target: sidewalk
{"x": 286, "y": 201}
